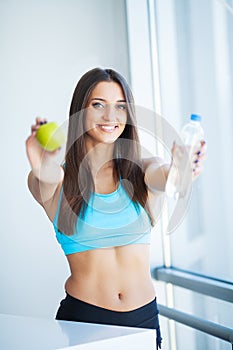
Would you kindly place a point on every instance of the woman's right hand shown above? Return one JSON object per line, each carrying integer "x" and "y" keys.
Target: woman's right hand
{"x": 34, "y": 151}
{"x": 42, "y": 162}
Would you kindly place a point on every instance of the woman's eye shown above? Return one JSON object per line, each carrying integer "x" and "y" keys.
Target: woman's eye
{"x": 121, "y": 107}
{"x": 97, "y": 105}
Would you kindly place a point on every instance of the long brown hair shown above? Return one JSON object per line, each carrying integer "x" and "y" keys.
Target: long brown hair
{"x": 78, "y": 182}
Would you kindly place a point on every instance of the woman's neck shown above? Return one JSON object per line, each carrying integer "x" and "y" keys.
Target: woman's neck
{"x": 100, "y": 157}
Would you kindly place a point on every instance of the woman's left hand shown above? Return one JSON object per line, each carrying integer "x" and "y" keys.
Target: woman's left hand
{"x": 198, "y": 157}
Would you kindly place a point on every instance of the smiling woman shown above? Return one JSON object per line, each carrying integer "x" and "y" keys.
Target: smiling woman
{"x": 105, "y": 117}
{"x": 100, "y": 203}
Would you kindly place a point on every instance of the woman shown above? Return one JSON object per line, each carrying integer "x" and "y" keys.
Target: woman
{"x": 100, "y": 203}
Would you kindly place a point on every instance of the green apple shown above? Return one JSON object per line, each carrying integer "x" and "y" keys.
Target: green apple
{"x": 50, "y": 136}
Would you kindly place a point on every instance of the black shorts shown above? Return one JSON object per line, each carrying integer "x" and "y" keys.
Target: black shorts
{"x": 72, "y": 309}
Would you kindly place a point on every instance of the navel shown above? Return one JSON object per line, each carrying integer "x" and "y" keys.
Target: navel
{"x": 120, "y": 296}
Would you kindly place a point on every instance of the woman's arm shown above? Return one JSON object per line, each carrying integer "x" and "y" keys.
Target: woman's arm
{"x": 45, "y": 175}
{"x": 156, "y": 170}
{"x": 156, "y": 173}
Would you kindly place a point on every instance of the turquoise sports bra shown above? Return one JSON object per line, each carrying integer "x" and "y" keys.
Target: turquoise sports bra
{"x": 110, "y": 220}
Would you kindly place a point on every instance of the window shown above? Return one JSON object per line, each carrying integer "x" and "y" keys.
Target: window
{"x": 193, "y": 68}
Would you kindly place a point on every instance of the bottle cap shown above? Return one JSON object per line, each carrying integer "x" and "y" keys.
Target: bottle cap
{"x": 195, "y": 117}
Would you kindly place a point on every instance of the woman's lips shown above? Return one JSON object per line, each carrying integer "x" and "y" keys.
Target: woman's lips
{"x": 107, "y": 128}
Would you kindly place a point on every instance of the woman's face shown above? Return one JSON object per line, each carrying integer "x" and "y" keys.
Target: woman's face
{"x": 106, "y": 113}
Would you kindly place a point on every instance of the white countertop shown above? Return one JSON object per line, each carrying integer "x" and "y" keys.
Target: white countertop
{"x": 27, "y": 333}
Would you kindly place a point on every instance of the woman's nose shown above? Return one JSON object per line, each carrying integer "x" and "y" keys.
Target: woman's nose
{"x": 109, "y": 113}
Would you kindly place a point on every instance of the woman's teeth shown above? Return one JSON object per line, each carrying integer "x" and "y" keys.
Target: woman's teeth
{"x": 108, "y": 128}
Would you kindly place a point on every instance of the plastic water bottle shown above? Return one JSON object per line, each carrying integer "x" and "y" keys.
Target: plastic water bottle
{"x": 180, "y": 175}
{"x": 192, "y": 132}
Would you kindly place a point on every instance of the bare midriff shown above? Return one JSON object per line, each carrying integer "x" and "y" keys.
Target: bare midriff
{"x": 116, "y": 278}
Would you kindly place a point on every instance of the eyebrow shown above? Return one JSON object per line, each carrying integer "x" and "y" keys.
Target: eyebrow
{"x": 102, "y": 99}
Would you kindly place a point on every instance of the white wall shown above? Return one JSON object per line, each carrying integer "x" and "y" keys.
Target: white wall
{"x": 45, "y": 48}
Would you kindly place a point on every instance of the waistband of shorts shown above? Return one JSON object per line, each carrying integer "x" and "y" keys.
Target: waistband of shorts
{"x": 152, "y": 305}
